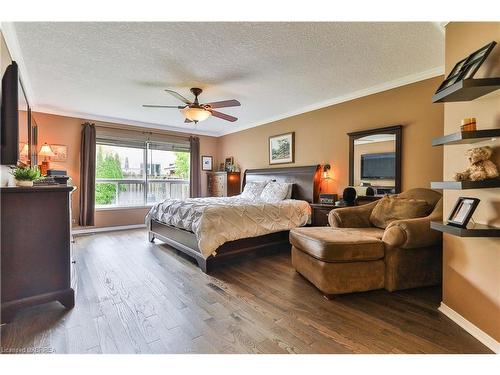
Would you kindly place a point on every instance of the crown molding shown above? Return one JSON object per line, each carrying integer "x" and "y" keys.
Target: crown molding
{"x": 431, "y": 73}
{"x": 115, "y": 120}
{"x": 10, "y": 37}
{"x": 412, "y": 78}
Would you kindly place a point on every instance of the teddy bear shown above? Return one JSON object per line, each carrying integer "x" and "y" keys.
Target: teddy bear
{"x": 480, "y": 167}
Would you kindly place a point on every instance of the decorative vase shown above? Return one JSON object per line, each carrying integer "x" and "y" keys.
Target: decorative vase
{"x": 24, "y": 183}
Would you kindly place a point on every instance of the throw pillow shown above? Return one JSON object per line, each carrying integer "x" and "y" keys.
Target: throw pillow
{"x": 275, "y": 192}
{"x": 389, "y": 209}
{"x": 252, "y": 190}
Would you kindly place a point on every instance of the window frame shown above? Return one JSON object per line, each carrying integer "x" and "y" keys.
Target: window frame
{"x": 144, "y": 180}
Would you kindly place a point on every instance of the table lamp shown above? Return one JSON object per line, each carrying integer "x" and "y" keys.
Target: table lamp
{"x": 46, "y": 152}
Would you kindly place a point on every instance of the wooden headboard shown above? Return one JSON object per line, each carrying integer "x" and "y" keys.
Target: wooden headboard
{"x": 305, "y": 180}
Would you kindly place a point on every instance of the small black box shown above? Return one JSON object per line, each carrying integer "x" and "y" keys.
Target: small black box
{"x": 56, "y": 172}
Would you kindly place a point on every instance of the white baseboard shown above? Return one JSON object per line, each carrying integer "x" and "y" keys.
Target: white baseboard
{"x": 76, "y": 232}
{"x": 476, "y": 332}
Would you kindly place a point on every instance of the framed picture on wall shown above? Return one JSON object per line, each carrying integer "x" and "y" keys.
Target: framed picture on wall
{"x": 282, "y": 148}
{"x": 206, "y": 163}
{"x": 462, "y": 212}
{"x": 60, "y": 151}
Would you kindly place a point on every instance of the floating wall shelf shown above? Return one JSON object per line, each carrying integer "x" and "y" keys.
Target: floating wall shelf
{"x": 472, "y": 230}
{"x": 463, "y": 185}
{"x": 466, "y": 137}
{"x": 467, "y": 89}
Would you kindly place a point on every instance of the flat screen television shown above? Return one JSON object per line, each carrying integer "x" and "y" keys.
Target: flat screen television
{"x": 9, "y": 127}
{"x": 380, "y": 166}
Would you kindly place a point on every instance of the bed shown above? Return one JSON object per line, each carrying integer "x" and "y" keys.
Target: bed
{"x": 179, "y": 232}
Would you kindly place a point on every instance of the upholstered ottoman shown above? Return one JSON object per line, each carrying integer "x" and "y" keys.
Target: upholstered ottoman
{"x": 337, "y": 261}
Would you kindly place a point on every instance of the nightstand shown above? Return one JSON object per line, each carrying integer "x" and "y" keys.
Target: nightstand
{"x": 320, "y": 214}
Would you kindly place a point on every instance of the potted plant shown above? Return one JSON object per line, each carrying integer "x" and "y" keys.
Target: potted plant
{"x": 25, "y": 175}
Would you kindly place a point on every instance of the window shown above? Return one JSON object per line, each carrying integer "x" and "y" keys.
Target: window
{"x": 132, "y": 173}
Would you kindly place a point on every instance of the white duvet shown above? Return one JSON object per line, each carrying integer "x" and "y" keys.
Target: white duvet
{"x": 216, "y": 221}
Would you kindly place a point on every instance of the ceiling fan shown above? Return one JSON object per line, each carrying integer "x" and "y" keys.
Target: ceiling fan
{"x": 194, "y": 111}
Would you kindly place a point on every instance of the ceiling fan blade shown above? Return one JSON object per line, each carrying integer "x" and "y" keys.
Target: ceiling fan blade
{"x": 163, "y": 106}
{"x": 187, "y": 120}
{"x": 223, "y": 116}
{"x": 179, "y": 96}
{"x": 224, "y": 103}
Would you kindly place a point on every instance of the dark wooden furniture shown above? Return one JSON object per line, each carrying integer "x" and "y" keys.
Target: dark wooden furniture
{"x": 320, "y": 214}
{"x": 466, "y": 90}
{"x": 397, "y": 130}
{"x": 463, "y": 185}
{"x": 223, "y": 184}
{"x": 365, "y": 199}
{"x": 35, "y": 247}
{"x": 305, "y": 187}
{"x": 467, "y": 137}
{"x": 472, "y": 230}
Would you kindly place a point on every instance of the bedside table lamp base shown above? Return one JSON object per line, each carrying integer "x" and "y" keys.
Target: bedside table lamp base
{"x": 46, "y": 152}
{"x": 44, "y": 167}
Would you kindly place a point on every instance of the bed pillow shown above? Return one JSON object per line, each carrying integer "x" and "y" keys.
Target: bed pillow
{"x": 275, "y": 191}
{"x": 389, "y": 209}
{"x": 252, "y": 190}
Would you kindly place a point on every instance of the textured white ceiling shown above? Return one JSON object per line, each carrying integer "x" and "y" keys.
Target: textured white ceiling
{"x": 108, "y": 70}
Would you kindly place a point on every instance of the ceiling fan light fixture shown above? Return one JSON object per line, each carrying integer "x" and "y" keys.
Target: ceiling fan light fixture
{"x": 196, "y": 114}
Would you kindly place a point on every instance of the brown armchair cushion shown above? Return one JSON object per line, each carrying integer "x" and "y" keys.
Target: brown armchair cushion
{"x": 336, "y": 245}
{"x": 389, "y": 209}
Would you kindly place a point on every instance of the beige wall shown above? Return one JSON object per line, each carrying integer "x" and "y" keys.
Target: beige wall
{"x": 321, "y": 135}
{"x": 66, "y": 130}
{"x": 371, "y": 148}
{"x": 471, "y": 284}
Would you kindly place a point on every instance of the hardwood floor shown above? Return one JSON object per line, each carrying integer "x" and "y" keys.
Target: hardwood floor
{"x": 136, "y": 297}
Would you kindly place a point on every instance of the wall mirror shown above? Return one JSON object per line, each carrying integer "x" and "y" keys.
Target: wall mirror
{"x": 375, "y": 159}
{"x": 33, "y": 140}
{"x": 24, "y": 125}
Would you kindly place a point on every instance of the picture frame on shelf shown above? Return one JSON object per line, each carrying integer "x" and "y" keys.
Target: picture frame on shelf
{"x": 466, "y": 68}
{"x": 462, "y": 211}
{"x": 206, "y": 163}
{"x": 282, "y": 148}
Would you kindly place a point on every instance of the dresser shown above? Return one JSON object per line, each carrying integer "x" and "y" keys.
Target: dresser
{"x": 36, "y": 247}
{"x": 223, "y": 184}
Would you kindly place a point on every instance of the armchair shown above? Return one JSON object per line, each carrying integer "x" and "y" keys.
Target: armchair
{"x": 413, "y": 252}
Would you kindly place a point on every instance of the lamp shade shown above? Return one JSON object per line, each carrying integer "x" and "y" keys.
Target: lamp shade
{"x": 196, "y": 114}
{"x": 24, "y": 150}
{"x": 45, "y": 150}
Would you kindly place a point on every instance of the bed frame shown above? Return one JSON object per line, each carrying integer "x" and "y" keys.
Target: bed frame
{"x": 305, "y": 181}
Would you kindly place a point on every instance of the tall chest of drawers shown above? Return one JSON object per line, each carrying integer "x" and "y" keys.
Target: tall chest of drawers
{"x": 223, "y": 184}
{"x": 35, "y": 247}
